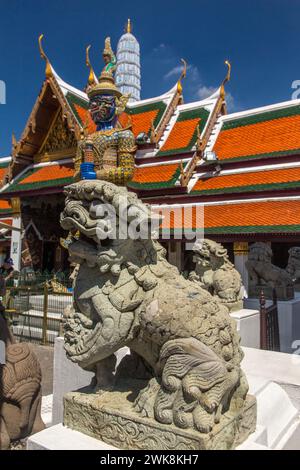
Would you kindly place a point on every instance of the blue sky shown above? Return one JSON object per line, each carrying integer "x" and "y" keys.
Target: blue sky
{"x": 260, "y": 37}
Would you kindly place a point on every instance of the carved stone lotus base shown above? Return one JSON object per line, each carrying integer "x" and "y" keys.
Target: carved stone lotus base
{"x": 111, "y": 418}
{"x": 282, "y": 292}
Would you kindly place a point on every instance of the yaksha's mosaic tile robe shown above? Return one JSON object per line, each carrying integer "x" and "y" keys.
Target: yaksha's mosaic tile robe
{"x": 110, "y": 148}
{"x": 113, "y": 154}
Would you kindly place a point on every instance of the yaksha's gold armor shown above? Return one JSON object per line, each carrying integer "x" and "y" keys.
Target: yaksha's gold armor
{"x": 111, "y": 148}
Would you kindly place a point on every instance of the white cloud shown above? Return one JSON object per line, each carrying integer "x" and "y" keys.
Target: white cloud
{"x": 194, "y": 88}
{"x": 205, "y": 91}
{"x": 174, "y": 71}
{"x": 192, "y": 72}
{"x": 159, "y": 48}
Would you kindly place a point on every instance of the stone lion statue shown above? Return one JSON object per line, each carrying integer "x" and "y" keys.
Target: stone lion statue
{"x": 217, "y": 274}
{"x": 20, "y": 390}
{"x": 293, "y": 267}
{"x": 127, "y": 294}
{"x": 264, "y": 274}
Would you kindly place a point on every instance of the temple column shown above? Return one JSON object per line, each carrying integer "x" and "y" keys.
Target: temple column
{"x": 16, "y": 237}
{"x": 241, "y": 250}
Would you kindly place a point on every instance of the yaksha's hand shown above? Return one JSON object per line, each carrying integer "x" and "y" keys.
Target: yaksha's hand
{"x": 103, "y": 174}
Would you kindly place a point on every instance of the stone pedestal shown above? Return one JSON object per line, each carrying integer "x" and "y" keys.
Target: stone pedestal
{"x": 248, "y": 326}
{"x": 277, "y": 412}
{"x": 288, "y": 319}
{"x": 111, "y": 418}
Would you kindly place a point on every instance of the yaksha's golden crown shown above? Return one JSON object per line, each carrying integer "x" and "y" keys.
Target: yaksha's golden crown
{"x": 105, "y": 86}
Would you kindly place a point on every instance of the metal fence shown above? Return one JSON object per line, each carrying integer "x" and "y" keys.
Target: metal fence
{"x": 36, "y": 313}
{"x": 269, "y": 327}
{"x": 31, "y": 278}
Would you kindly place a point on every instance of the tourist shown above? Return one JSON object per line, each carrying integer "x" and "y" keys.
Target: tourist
{"x": 7, "y": 270}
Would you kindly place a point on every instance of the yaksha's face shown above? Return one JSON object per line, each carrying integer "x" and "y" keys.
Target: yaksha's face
{"x": 102, "y": 108}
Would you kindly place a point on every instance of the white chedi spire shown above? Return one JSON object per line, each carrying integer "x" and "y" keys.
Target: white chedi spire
{"x": 128, "y": 73}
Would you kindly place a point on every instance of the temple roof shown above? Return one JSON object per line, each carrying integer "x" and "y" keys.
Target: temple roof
{"x": 248, "y": 180}
{"x": 270, "y": 131}
{"x": 149, "y": 177}
{"x": 244, "y": 217}
{"x": 182, "y": 135}
{"x": 178, "y": 144}
{"x": 44, "y": 176}
{"x": 5, "y": 207}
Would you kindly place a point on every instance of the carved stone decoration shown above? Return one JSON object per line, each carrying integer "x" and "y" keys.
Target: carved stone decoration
{"x": 293, "y": 267}
{"x": 217, "y": 274}
{"x": 263, "y": 275}
{"x": 20, "y": 391}
{"x": 127, "y": 294}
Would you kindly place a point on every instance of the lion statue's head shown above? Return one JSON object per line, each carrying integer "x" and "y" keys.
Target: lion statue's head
{"x": 209, "y": 254}
{"x": 260, "y": 251}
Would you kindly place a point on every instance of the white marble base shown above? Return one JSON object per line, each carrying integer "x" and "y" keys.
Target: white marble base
{"x": 278, "y": 425}
{"x": 248, "y": 326}
{"x": 288, "y": 319}
{"x": 59, "y": 437}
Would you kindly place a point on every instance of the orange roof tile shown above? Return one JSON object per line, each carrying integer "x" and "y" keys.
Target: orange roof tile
{"x": 6, "y": 221}
{"x": 140, "y": 122}
{"x": 181, "y": 134}
{"x": 277, "y": 135}
{"x": 85, "y": 118}
{"x": 4, "y": 205}
{"x": 153, "y": 174}
{"x": 251, "y": 179}
{"x": 51, "y": 172}
{"x": 239, "y": 217}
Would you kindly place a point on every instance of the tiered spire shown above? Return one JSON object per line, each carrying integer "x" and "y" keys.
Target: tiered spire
{"x": 128, "y": 75}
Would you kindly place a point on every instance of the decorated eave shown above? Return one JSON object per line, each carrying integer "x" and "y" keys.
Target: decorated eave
{"x": 50, "y": 106}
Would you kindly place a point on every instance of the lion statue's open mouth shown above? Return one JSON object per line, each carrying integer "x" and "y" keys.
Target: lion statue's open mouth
{"x": 127, "y": 294}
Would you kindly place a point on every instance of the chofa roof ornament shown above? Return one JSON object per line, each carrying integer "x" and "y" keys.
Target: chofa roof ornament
{"x": 182, "y": 76}
{"x": 226, "y": 79}
{"x": 92, "y": 76}
{"x": 48, "y": 70}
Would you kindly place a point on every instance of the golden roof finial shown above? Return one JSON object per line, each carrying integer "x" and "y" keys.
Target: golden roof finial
{"x": 88, "y": 64}
{"x": 14, "y": 140}
{"x": 183, "y": 75}
{"x": 48, "y": 71}
{"x": 227, "y": 78}
{"x": 129, "y": 26}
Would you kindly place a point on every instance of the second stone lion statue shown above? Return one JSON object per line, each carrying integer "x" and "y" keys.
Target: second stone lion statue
{"x": 217, "y": 274}
{"x": 264, "y": 275}
{"x": 127, "y": 294}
